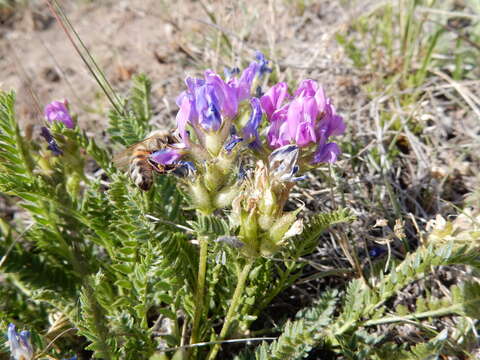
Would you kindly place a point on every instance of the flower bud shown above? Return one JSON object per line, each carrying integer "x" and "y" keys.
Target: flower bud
{"x": 249, "y": 229}
{"x": 213, "y": 177}
{"x": 214, "y": 143}
{"x": 201, "y": 197}
{"x": 281, "y": 226}
{"x": 73, "y": 184}
{"x": 226, "y": 161}
{"x": 224, "y": 198}
{"x": 277, "y": 234}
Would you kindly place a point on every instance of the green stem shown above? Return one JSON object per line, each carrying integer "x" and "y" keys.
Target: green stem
{"x": 202, "y": 270}
{"x": 426, "y": 314}
{"x": 237, "y": 296}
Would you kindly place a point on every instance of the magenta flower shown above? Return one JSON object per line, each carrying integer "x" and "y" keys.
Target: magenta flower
{"x": 274, "y": 98}
{"x": 58, "y": 111}
{"x": 307, "y": 120}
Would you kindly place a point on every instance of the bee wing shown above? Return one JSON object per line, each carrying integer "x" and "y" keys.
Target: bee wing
{"x": 122, "y": 159}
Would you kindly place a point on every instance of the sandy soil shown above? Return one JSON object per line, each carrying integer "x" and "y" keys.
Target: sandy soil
{"x": 164, "y": 41}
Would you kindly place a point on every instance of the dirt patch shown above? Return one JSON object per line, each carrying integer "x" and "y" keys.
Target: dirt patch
{"x": 164, "y": 41}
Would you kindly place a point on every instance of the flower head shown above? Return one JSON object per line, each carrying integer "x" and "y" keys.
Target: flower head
{"x": 58, "y": 111}
{"x": 258, "y": 207}
{"x": 307, "y": 120}
{"x": 210, "y": 103}
{"x": 52, "y": 144}
{"x": 250, "y": 130}
{"x": 263, "y": 64}
{"x": 20, "y": 345}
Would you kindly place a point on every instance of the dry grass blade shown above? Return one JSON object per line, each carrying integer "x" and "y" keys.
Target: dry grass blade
{"x": 85, "y": 55}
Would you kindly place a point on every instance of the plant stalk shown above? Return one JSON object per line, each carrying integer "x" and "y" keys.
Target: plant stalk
{"x": 202, "y": 270}
{"x": 426, "y": 314}
{"x": 237, "y": 296}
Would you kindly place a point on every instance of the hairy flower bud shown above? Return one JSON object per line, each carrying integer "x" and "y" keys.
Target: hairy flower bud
{"x": 282, "y": 225}
{"x": 258, "y": 209}
{"x": 214, "y": 177}
{"x": 225, "y": 197}
{"x": 201, "y": 197}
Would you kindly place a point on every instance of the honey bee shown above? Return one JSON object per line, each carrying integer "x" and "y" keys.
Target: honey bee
{"x": 137, "y": 157}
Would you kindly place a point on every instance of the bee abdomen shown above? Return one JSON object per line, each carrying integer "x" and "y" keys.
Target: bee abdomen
{"x": 141, "y": 172}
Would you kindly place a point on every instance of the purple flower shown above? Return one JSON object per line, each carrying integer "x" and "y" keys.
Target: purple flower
{"x": 166, "y": 156}
{"x": 20, "y": 345}
{"x": 210, "y": 105}
{"x": 208, "y": 108}
{"x": 274, "y": 98}
{"x": 58, "y": 111}
{"x": 263, "y": 62}
{"x": 205, "y": 106}
{"x": 244, "y": 84}
{"x": 306, "y": 120}
{"x": 327, "y": 153}
{"x": 250, "y": 131}
{"x": 52, "y": 144}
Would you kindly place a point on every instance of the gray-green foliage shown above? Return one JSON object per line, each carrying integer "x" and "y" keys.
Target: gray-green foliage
{"x": 118, "y": 263}
{"x": 365, "y": 306}
{"x": 121, "y": 265}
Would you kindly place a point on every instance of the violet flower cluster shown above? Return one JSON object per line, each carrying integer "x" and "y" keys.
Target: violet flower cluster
{"x": 212, "y": 114}
{"x": 223, "y": 122}
{"x": 208, "y": 111}
{"x": 306, "y": 119}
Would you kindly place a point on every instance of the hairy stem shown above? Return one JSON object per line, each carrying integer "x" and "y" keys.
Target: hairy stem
{"x": 237, "y": 296}
{"x": 202, "y": 270}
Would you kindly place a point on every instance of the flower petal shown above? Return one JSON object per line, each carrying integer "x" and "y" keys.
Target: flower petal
{"x": 208, "y": 108}
{"x": 327, "y": 153}
{"x": 244, "y": 85}
{"x": 165, "y": 156}
{"x": 58, "y": 111}
{"x": 273, "y": 98}
{"x": 283, "y": 162}
{"x": 306, "y": 88}
{"x": 250, "y": 131}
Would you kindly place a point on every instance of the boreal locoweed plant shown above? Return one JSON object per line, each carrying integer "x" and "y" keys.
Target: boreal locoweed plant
{"x": 97, "y": 267}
